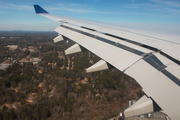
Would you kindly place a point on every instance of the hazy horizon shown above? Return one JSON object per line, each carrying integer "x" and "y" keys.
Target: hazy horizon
{"x": 20, "y": 15}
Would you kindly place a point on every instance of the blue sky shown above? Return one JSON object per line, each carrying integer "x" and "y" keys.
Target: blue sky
{"x": 20, "y": 15}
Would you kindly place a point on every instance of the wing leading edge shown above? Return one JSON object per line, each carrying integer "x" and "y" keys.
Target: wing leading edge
{"x": 153, "y": 62}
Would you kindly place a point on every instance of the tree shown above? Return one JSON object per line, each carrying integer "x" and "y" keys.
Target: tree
{"x": 89, "y": 79}
{"x": 59, "y": 63}
{"x": 45, "y": 113}
{"x": 4, "y": 108}
{"x": 22, "y": 101}
{"x": 12, "y": 115}
{"x": 37, "y": 113}
{"x": 35, "y": 54}
{"x": 5, "y": 116}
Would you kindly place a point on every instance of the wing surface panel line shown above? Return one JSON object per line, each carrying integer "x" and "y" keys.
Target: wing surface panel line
{"x": 107, "y": 41}
{"x": 122, "y": 46}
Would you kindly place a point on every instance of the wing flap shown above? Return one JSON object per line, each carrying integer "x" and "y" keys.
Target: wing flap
{"x": 157, "y": 86}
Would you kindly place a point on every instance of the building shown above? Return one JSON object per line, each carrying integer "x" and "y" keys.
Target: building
{"x": 85, "y": 81}
{"x": 33, "y": 60}
{"x": 32, "y": 48}
{"x": 12, "y": 47}
{"x": 4, "y": 66}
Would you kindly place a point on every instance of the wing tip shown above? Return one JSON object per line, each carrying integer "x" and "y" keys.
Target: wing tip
{"x": 39, "y": 9}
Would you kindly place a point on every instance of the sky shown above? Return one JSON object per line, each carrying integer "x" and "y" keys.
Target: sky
{"x": 20, "y": 14}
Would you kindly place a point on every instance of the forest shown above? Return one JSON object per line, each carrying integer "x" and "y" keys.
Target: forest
{"x": 54, "y": 88}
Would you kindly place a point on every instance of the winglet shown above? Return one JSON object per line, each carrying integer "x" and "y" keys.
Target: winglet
{"x": 39, "y": 9}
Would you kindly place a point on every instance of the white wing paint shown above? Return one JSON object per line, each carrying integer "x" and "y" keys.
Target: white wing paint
{"x": 152, "y": 59}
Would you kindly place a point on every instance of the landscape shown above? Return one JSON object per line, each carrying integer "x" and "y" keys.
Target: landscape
{"x": 37, "y": 81}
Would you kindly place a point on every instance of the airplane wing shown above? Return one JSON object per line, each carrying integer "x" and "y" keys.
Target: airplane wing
{"x": 153, "y": 60}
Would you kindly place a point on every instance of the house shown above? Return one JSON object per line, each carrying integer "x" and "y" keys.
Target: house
{"x": 12, "y": 47}
{"x": 85, "y": 81}
{"x": 4, "y": 66}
